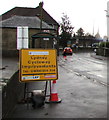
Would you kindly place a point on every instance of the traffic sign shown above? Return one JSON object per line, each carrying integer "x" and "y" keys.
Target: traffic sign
{"x": 38, "y": 64}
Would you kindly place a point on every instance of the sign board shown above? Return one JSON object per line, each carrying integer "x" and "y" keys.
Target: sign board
{"x": 45, "y": 38}
{"x": 22, "y": 37}
{"x": 46, "y": 31}
{"x": 77, "y": 41}
{"x": 38, "y": 64}
{"x": 69, "y": 43}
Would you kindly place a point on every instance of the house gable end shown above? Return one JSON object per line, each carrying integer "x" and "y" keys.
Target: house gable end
{"x": 25, "y": 11}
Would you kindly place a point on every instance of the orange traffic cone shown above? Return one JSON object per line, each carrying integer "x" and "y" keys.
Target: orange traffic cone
{"x": 54, "y": 95}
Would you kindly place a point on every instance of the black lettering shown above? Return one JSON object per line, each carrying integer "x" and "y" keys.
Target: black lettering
{"x": 36, "y": 58}
{"x": 25, "y": 71}
{"x": 29, "y": 62}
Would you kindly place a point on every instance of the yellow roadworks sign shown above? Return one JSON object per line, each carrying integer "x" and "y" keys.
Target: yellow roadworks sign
{"x": 38, "y": 64}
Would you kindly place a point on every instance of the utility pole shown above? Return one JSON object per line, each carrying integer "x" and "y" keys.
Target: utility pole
{"x": 41, "y": 10}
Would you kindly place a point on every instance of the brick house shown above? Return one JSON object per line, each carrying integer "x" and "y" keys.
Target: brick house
{"x": 23, "y": 16}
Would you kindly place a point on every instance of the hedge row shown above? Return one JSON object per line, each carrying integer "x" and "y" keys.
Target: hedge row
{"x": 104, "y": 44}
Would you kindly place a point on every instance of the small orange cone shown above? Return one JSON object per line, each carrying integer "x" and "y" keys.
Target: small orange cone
{"x": 54, "y": 95}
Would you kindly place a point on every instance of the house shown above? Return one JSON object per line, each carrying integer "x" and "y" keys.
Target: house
{"x": 46, "y": 26}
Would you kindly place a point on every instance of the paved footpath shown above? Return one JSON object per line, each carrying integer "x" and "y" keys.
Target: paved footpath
{"x": 81, "y": 98}
{"x": 8, "y": 66}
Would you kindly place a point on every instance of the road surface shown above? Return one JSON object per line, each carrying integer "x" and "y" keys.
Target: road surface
{"x": 81, "y": 85}
{"x": 84, "y": 64}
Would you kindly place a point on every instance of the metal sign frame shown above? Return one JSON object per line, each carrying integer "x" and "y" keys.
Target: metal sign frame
{"x": 38, "y": 65}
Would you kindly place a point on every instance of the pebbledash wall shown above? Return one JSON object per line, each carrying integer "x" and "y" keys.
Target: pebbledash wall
{"x": 9, "y": 41}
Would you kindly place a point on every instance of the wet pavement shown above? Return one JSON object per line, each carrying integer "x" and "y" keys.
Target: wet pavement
{"x": 85, "y": 65}
{"x": 81, "y": 98}
{"x": 8, "y": 67}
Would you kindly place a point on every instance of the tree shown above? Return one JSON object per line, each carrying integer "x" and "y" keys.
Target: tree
{"x": 80, "y": 36}
{"x": 80, "y": 32}
{"x": 89, "y": 35}
{"x": 66, "y": 30}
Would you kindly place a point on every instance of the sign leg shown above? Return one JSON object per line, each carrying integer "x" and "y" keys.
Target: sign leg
{"x": 25, "y": 87}
{"x": 46, "y": 88}
{"x": 50, "y": 89}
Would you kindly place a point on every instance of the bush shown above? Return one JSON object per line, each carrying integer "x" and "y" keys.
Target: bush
{"x": 104, "y": 44}
{"x": 107, "y": 44}
{"x": 101, "y": 44}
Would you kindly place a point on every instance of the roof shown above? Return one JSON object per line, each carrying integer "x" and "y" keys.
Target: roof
{"x": 31, "y": 22}
{"x": 25, "y": 11}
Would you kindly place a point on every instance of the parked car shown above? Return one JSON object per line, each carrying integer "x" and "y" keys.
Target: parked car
{"x": 95, "y": 45}
{"x": 67, "y": 51}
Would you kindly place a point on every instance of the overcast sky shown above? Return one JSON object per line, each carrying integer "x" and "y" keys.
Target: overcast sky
{"x": 87, "y": 14}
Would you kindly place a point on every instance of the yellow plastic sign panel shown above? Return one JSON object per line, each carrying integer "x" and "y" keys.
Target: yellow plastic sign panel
{"x": 38, "y": 64}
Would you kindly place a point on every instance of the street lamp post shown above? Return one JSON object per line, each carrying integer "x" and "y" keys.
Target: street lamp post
{"x": 107, "y": 15}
